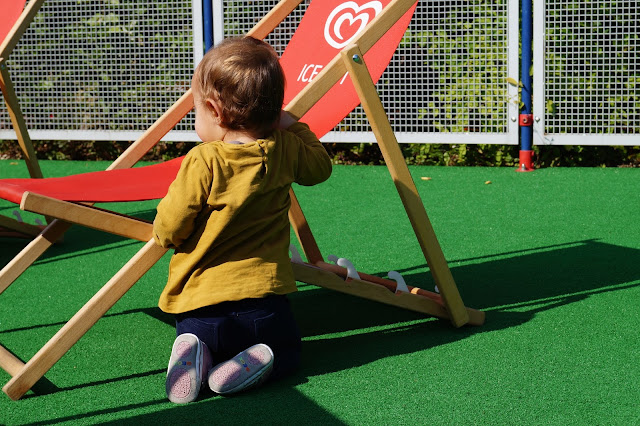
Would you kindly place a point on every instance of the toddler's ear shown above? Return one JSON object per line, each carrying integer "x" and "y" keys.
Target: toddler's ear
{"x": 214, "y": 108}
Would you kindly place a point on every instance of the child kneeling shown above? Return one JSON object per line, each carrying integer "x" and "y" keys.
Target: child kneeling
{"x": 226, "y": 216}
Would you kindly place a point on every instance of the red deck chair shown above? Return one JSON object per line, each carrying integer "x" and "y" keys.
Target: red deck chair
{"x": 374, "y": 36}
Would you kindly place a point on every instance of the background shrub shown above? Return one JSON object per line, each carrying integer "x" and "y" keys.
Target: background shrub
{"x": 365, "y": 153}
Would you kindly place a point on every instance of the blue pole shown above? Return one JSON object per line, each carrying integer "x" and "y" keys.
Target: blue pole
{"x": 207, "y": 25}
{"x": 526, "y": 116}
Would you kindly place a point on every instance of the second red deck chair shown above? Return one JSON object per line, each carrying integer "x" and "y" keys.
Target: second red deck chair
{"x": 376, "y": 29}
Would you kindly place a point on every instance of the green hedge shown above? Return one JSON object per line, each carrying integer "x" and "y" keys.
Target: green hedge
{"x": 491, "y": 155}
{"x": 366, "y": 154}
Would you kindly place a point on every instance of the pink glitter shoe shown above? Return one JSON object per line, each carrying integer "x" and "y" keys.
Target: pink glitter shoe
{"x": 245, "y": 370}
{"x": 189, "y": 362}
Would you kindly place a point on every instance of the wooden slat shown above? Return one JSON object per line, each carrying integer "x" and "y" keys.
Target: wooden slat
{"x": 19, "y": 125}
{"x": 90, "y": 217}
{"x": 21, "y": 227}
{"x": 367, "y": 290}
{"x": 153, "y": 134}
{"x": 9, "y": 362}
{"x": 52, "y": 233}
{"x": 382, "y": 23}
{"x": 388, "y": 284}
{"x": 336, "y": 68}
{"x": 404, "y": 184}
{"x": 476, "y": 317}
{"x": 83, "y": 320}
{"x": 273, "y": 18}
{"x": 314, "y": 91}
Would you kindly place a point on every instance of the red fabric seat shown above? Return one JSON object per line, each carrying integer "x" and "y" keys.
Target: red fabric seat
{"x": 132, "y": 184}
{"x": 11, "y": 11}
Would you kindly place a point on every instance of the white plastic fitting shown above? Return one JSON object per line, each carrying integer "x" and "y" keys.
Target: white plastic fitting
{"x": 295, "y": 254}
{"x": 345, "y": 263}
{"x": 401, "y": 286}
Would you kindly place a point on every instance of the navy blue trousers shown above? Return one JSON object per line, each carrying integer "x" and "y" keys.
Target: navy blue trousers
{"x": 228, "y": 328}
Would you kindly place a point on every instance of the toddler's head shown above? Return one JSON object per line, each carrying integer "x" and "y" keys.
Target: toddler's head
{"x": 244, "y": 77}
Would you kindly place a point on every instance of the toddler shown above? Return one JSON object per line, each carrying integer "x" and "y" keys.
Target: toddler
{"x": 226, "y": 216}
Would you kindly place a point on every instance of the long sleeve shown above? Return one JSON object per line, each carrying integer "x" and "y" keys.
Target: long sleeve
{"x": 313, "y": 162}
{"x": 178, "y": 210}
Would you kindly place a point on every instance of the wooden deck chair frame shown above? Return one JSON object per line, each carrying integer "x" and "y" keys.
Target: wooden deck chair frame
{"x": 13, "y": 226}
{"x": 448, "y": 304}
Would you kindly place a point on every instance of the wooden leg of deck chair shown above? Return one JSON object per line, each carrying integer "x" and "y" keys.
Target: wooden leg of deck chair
{"x": 83, "y": 320}
{"x": 303, "y": 231}
{"x": 9, "y": 362}
{"x": 91, "y": 217}
{"x": 272, "y": 19}
{"x": 52, "y": 233}
{"x": 20, "y": 127}
{"x": 21, "y": 228}
{"x": 414, "y": 207}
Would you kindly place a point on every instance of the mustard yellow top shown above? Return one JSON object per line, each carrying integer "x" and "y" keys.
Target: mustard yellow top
{"x": 226, "y": 215}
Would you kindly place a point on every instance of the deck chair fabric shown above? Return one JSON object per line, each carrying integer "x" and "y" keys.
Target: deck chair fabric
{"x": 343, "y": 22}
{"x": 10, "y": 15}
{"x": 382, "y": 27}
{"x": 119, "y": 185}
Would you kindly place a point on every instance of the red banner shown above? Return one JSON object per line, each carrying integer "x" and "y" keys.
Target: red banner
{"x": 326, "y": 28}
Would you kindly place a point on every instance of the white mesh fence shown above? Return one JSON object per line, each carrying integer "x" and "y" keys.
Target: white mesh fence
{"x": 447, "y": 81}
{"x": 587, "y": 72}
{"x": 101, "y": 70}
{"x": 98, "y": 70}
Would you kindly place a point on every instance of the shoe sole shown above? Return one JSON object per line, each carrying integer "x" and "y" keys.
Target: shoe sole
{"x": 183, "y": 384}
{"x": 237, "y": 365}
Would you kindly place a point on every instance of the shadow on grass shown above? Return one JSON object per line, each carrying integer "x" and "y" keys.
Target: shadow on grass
{"x": 559, "y": 272}
{"x": 284, "y": 405}
{"x": 77, "y": 242}
{"x": 341, "y": 332}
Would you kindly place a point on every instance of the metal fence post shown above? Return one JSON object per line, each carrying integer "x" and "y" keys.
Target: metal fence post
{"x": 207, "y": 18}
{"x": 526, "y": 116}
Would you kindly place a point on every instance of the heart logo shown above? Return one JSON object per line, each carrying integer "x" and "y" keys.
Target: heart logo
{"x": 357, "y": 18}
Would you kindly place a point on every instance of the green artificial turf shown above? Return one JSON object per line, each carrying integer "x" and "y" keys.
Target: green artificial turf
{"x": 552, "y": 257}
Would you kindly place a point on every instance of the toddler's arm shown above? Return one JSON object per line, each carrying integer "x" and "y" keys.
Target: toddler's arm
{"x": 314, "y": 164}
{"x": 178, "y": 210}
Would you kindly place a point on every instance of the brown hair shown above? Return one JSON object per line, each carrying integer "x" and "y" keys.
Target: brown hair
{"x": 245, "y": 77}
